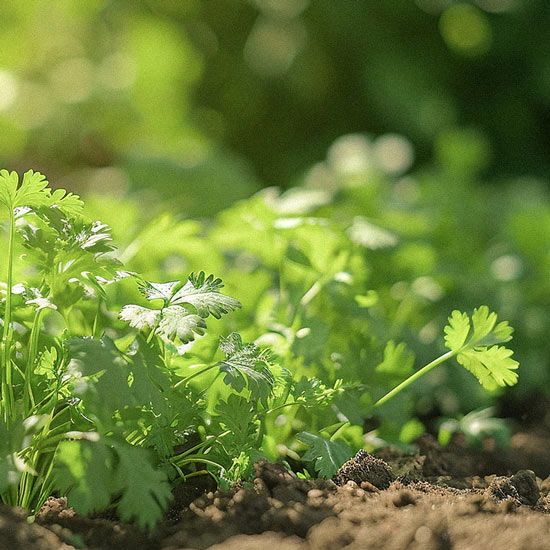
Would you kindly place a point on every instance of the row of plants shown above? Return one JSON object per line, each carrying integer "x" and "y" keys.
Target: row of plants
{"x": 123, "y": 375}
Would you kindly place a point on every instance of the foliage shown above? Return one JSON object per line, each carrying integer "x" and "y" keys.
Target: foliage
{"x": 113, "y": 410}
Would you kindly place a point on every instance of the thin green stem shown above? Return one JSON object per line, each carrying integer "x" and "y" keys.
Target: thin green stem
{"x": 414, "y": 377}
{"x": 7, "y": 383}
{"x": 191, "y": 376}
{"x": 28, "y": 397}
{"x": 193, "y": 459}
{"x": 205, "y": 443}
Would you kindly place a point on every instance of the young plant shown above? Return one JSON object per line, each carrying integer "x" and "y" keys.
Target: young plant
{"x": 473, "y": 341}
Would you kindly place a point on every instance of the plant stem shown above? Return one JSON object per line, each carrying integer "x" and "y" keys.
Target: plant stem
{"x": 414, "y": 377}
{"x": 7, "y": 387}
{"x": 28, "y": 397}
{"x": 191, "y": 376}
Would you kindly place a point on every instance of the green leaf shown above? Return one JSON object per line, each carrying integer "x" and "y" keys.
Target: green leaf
{"x": 457, "y": 330}
{"x": 246, "y": 365}
{"x": 71, "y": 254}
{"x": 398, "y": 360}
{"x": 8, "y": 188}
{"x": 203, "y": 293}
{"x": 84, "y": 471}
{"x": 107, "y": 382}
{"x": 236, "y": 414}
{"x": 145, "y": 490}
{"x": 483, "y": 323}
{"x": 94, "y": 470}
{"x": 481, "y": 331}
{"x": 158, "y": 291}
{"x": 140, "y": 317}
{"x": 68, "y": 203}
{"x": 493, "y": 367}
{"x": 176, "y": 321}
{"x": 33, "y": 192}
{"x": 49, "y": 364}
{"x": 327, "y": 456}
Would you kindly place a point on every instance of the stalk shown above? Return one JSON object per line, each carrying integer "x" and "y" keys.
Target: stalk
{"x": 7, "y": 387}
{"x": 28, "y": 397}
{"x": 415, "y": 376}
{"x": 191, "y": 376}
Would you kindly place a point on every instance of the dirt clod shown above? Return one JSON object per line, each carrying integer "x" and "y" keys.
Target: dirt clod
{"x": 521, "y": 487}
{"x": 525, "y": 483}
{"x": 364, "y": 467}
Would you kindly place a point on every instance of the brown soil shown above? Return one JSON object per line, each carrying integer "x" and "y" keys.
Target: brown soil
{"x": 439, "y": 498}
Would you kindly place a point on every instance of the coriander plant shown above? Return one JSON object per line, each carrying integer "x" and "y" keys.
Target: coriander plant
{"x": 112, "y": 404}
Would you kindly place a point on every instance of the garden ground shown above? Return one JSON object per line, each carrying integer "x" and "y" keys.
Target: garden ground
{"x": 439, "y": 498}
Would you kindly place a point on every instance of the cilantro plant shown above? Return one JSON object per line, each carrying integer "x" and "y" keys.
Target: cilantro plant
{"x": 111, "y": 396}
{"x": 472, "y": 341}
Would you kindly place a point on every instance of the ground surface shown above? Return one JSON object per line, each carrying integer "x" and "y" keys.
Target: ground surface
{"x": 436, "y": 499}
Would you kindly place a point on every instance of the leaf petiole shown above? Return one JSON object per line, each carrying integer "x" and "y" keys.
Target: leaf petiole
{"x": 415, "y": 376}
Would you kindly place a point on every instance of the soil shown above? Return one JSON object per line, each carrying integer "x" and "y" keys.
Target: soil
{"x": 438, "y": 498}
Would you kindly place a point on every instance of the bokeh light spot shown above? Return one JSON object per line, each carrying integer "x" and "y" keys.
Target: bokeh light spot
{"x": 394, "y": 153}
{"x": 350, "y": 154}
{"x": 466, "y": 30}
{"x": 72, "y": 80}
{"x": 8, "y": 89}
{"x": 506, "y": 268}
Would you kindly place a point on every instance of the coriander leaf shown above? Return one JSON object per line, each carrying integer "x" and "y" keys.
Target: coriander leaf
{"x": 398, "y": 360}
{"x": 236, "y": 414}
{"x": 107, "y": 382}
{"x": 30, "y": 193}
{"x": 493, "y": 367}
{"x": 457, "y": 330}
{"x": 469, "y": 339}
{"x": 145, "y": 490}
{"x": 49, "y": 364}
{"x": 94, "y": 470}
{"x": 481, "y": 331}
{"x": 68, "y": 203}
{"x": 140, "y": 317}
{"x": 327, "y": 456}
{"x": 8, "y": 188}
{"x": 175, "y": 321}
{"x": 33, "y": 192}
{"x": 158, "y": 291}
{"x": 72, "y": 255}
{"x": 203, "y": 293}
{"x": 178, "y": 321}
{"x": 84, "y": 472}
{"x": 246, "y": 365}
{"x": 483, "y": 322}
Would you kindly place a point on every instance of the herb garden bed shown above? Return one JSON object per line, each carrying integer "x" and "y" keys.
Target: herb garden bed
{"x": 441, "y": 497}
{"x": 153, "y": 431}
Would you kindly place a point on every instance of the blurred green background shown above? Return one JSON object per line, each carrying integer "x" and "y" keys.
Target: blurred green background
{"x": 205, "y": 101}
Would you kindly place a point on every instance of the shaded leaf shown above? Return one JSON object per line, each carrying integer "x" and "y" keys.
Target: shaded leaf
{"x": 327, "y": 456}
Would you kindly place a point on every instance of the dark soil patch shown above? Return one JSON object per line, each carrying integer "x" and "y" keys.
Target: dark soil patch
{"x": 439, "y": 498}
